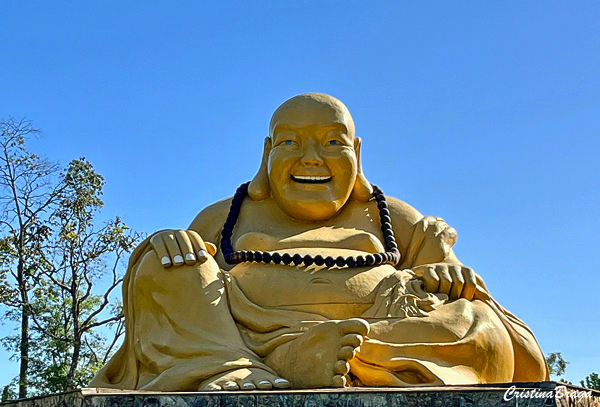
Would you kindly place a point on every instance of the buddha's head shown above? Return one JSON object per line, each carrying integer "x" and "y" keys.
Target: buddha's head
{"x": 311, "y": 163}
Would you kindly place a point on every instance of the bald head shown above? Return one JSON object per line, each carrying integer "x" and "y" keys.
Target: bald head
{"x": 312, "y": 109}
{"x": 311, "y": 162}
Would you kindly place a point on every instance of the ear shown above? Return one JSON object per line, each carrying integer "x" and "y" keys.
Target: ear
{"x": 259, "y": 186}
{"x": 362, "y": 190}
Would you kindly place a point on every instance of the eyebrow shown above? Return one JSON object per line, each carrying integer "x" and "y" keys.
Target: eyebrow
{"x": 337, "y": 126}
{"x": 334, "y": 126}
{"x": 283, "y": 127}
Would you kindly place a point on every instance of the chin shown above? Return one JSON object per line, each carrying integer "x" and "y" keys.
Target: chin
{"x": 311, "y": 202}
{"x": 311, "y": 211}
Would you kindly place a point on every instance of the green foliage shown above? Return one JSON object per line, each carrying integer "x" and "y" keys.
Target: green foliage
{"x": 8, "y": 393}
{"x": 592, "y": 381}
{"x": 28, "y": 190}
{"x": 58, "y": 269}
{"x": 52, "y": 354}
{"x": 80, "y": 255}
{"x": 556, "y": 363}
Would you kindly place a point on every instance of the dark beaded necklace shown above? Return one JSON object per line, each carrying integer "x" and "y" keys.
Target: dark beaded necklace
{"x": 391, "y": 256}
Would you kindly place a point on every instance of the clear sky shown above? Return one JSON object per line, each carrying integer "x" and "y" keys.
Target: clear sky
{"x": 484, "y": 113}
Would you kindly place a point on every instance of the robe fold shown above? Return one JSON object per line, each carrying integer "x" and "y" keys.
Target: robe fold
{"x": 187, "y": 325}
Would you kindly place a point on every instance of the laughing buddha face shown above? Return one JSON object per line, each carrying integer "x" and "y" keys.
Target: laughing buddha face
{"x": 312, "y": 162}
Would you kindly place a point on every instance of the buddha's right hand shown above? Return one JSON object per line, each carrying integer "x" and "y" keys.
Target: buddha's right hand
{"x": 179, "y": 247}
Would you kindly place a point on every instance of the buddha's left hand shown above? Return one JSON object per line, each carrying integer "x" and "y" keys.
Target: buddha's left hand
{"x": 455, "y": 280}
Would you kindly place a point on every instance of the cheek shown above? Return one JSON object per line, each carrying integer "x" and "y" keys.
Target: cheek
{"x": 280, "y": 164}
{"x": 343, "y": 164}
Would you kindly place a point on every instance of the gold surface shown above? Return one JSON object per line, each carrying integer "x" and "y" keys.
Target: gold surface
{"x": 195, "y": 323}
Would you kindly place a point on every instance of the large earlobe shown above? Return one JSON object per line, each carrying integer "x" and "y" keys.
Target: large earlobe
{"x": 259, "y": 186}
{"x": 362, "y": 190}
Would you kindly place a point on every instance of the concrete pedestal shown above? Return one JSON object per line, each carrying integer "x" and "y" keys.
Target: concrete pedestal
{"x": 522, "y": 394}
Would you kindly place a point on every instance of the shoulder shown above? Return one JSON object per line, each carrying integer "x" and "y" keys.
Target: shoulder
{"x": 209, "y": 222}
{"x": 400, "y": 211}
{"x": 404, "y": 218}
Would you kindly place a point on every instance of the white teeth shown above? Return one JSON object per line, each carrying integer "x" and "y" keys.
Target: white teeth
{"x": 310, "y": 178}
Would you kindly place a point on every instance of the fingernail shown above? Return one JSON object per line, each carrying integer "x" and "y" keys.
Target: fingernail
{"x": 231, "y": 385}
{"x": 280, "y": 381}
{"x": 165, "y": 261}
{"x": 263, "y": 382}
{"x": 190, "y": 257}
{"x": 202, "y": 255}
{"x": 249, "y": 385}
{"x": 178, "y": 259}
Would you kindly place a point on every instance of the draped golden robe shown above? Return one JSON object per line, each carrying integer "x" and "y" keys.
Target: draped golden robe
{"x": 186, "y": 325}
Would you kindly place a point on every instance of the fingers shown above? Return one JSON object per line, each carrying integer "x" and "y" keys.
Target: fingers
{"x": 161, "y": 249}
{"x": 170, "y": 242}
{"x": 458, "y": 282}
{"x": 199, "y": 246}
{"x": 454, "y": 280}
{"x": 445, "y": 278}
{"x": 179, "y": 247}
{"x": 470, "y": 286}
{"x": 429, "y": 276}
{"x": 185, "y": 247}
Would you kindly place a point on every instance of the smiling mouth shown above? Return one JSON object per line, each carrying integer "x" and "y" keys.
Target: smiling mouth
{"x": 305, "y": 179}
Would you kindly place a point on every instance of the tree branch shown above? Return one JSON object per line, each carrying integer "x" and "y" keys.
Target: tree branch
{"x": 100, "y": 323}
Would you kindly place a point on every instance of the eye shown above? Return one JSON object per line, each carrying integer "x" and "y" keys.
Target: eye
{"x": 333, "y": 143}
{"x": 286, "y": 138}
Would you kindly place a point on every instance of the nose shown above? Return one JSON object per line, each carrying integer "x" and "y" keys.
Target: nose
{"x": 311, "y": 155}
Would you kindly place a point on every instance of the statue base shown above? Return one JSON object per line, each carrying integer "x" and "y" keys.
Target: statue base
{"x": 503, "y": 394}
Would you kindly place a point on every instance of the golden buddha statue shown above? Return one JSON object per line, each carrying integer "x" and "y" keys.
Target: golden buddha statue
{"x": 320, "y": 281}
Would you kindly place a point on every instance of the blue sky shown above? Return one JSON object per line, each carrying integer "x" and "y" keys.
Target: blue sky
{"x": 484, "y": 113}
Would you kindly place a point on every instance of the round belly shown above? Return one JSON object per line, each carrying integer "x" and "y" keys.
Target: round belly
{"x": 334, "y": 293}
